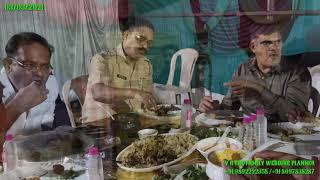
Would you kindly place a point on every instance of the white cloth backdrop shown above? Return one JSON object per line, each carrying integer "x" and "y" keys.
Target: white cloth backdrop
{"x": 76, "y": 28}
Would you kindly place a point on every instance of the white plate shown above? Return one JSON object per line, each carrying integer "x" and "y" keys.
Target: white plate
{"x": 171, "y": 113}
{"x": 150, "y": 169}
{"x": 74, "y": 162}
{"x": 292, "y": 126}
{"x": 234, "y": 144}
{"x": 203, "y": 119}
{"x": 23, "y": 172}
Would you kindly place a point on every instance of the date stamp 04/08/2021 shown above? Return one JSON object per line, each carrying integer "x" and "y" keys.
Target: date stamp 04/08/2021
{"x": 23, "y": 7}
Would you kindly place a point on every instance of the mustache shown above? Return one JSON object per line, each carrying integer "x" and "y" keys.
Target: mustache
{"x": 143, "y": 49}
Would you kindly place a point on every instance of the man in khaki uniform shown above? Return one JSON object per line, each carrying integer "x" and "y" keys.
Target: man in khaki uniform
{"x": 120, "y": 80}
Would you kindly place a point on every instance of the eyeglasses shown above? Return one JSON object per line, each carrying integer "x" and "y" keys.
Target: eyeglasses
{"x": 268, "y": 43}
{"x": 33, "y": 67}
{"x": 143, "y": 40}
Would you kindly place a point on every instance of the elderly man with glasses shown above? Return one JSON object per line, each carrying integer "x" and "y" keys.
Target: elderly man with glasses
{"x": 30, "y": 91}
{"x": 266, "y": 80}
{"x": 120, "y": 79}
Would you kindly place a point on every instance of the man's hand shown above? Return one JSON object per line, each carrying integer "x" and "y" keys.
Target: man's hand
{"x": 207, "y": 104}
{"x": 297, "y": 115}
{"x": 31, "y": 96}
{"x": 146, "y": 98}
{"x": 245, "y": 87}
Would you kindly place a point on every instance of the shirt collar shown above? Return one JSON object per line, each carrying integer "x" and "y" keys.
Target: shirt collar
{"x": 8, "y": 90}
{"x": 121, "y": 53}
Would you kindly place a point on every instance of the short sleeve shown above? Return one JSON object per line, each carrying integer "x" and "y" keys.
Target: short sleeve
{"x": 100, "y": 70}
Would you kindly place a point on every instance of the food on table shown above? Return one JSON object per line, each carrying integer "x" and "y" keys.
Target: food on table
{"x": 195, "y": 173}
{"x": 210, "y": 144}
{"x": 49, "y": 145}
{"x": 218, "y": 157}
{"x": 71, "y": 174}
{"x": 157, "y": 150}
{"x": 163, "y": 110}
{"x": 225, "y": 114}
{"x": 58, "y": 169}
{"x": 32, "y": 178}
{"x": 205, "y": 132}
{"x": 288, "y": 132}
{"x": 191, "y": 173}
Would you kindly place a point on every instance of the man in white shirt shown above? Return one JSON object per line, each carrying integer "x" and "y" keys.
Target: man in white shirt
{"x": 30, "y": 91}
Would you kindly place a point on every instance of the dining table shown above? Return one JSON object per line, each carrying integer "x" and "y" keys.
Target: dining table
{"x": 112, "y": 138}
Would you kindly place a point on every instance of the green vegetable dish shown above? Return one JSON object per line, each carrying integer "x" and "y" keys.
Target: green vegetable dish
{"x": 191, "y": 173}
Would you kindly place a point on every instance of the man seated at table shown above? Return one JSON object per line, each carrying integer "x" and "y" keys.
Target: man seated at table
{"x": 120, "y": 79}
{"x": 266, "y": 81}
{"x": 30, "y": 91}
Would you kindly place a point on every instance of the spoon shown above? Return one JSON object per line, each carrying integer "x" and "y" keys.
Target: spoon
{"x": 221, "y": 139}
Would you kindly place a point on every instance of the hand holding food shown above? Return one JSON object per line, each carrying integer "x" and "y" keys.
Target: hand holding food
{"x": 207, "y": 104}
{"x": 146, "y": 98}
{"x": 297, "y": 115}
{"x": 31, "y": 95}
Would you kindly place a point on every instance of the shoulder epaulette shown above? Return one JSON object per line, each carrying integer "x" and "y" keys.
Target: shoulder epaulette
{"x": 108, "y": 53}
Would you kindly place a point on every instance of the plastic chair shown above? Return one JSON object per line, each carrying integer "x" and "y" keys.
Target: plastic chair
{"x": 315, "y": 75}
{"x": 74, "y": 89}
{"x": 315, "y": 98}
{"x": 188, "y": 60}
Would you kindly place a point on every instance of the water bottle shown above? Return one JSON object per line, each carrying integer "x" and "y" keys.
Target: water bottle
{"x": 186, "y": 114}
{"x": 9, "y": 154}
{"x": 94, "y": 165}
{"x": 248, "y": 142}
{"x": 262, "y": 126}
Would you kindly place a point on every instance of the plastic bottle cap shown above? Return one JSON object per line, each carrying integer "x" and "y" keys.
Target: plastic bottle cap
{"x": 247, "y": 120}
{"x": 260, "y": 111}
{"x": 253, "y": 117}
{"x": 93, "y": 151}
{"x": 187, "y": 101}
{"x": 8, "y": 137}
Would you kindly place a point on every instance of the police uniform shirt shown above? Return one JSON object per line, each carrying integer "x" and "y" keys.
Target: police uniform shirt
{"x": 114, "y": 69}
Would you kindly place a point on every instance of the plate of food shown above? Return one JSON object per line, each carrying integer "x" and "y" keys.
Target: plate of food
{"x": 205, "y": 146}
{"x": 288, "y": 131}
{"x": 153, "y": 152}
{"x": 167, "y": 110}
{"x": 214, "y": 167}
{"x": 208, "y": 120}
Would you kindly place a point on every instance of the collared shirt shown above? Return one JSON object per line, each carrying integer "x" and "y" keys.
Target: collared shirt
{"x": 42, "y": 114}
{"x": 114, "y": 69}
{"x": 285, "y": 88}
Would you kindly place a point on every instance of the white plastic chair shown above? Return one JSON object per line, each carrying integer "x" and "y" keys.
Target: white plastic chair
{"x": 65, "y": 96}
{"x": 188, "y": 60}
{"x": 74, "y": 89}
{"x": 315, "y": 75}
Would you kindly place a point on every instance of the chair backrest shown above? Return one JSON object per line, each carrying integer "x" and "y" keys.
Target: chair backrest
{"x": 315, "y": 97}
{"x": 77, "y": 85}
{"x": 315, "y": 75}
{"x": 188, "y": 60}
